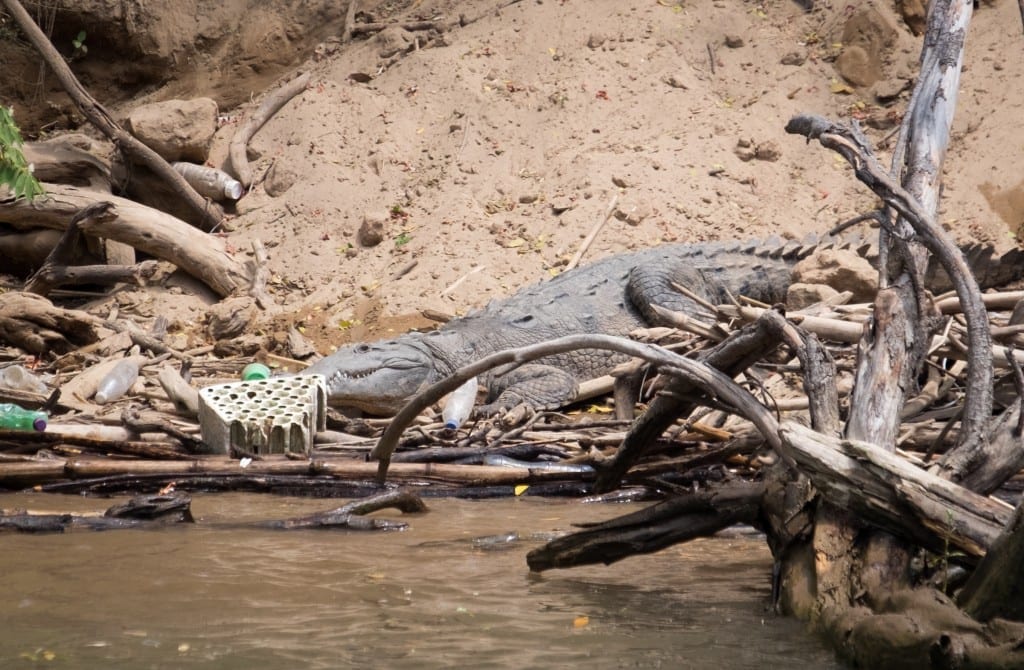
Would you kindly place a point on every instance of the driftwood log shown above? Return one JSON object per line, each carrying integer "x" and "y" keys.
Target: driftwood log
{"x": 149, "y": 230}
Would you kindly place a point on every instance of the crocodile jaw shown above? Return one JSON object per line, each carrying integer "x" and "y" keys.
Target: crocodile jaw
{"x": 378, "y": 378}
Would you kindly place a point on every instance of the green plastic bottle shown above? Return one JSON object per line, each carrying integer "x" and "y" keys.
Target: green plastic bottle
{"x": 15, "y": 417}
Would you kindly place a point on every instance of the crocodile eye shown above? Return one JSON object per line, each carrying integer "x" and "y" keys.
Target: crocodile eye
{"x": 362, "y": 348}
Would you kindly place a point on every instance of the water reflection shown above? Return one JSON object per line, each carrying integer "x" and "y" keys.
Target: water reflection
{"x": 431, "y": 597}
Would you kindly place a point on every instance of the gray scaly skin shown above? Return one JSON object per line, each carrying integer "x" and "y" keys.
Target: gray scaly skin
{"x": 612, "y": 296}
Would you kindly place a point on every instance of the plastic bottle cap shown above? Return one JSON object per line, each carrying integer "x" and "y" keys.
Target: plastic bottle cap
{"x": 233, "y": 190}
{"x": 255, "y": 371}
{"x": 451, "y": 425}
{"x": 39, "y": 425}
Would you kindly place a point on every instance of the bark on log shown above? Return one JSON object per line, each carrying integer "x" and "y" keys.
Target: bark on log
{"x": 149, "y": 230}
{"x": 890, "y": 493}
{"x": 31, "y": 322}
{"x": 134, "y": 150}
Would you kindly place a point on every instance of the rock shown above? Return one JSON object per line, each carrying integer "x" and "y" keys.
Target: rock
{"x": 800, "y": 295}
{"x": 176, "y": 129}
{"x": 867, "y": 39}
{"x": 299, "y": 345}
{"x": 392, "y": 40}
{"x": 246, "y": 345}
{"x": 677, "y": 81}
{"x": 841, "y": 269}
{"x": 883, "y": 119}
{"x": 745, "y": 151}
{"x": 279, "y": 179}
{"x": 596, "y": 40}
{"x": 561, "y": 203}
{"x": 857, "y": 67}
{"x": 768, "y": 151}
{"x": 372, "y": 231}
{"x": 632, "y": 214}
{"x": 734, "y": 41}
{"x": 231, "y": 317}
{"x": 793, "y": 58}
{"x": 914, "y": 15}
{"x": 528, "y": 198}
{"x": 620, "y": 181}
{"x": 887, "y": 90}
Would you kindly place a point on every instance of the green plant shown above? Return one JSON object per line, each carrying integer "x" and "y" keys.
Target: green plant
{"x": 79, "y": 44}
{"x": 403, "y": 238}
{"x": 15, "y": 172}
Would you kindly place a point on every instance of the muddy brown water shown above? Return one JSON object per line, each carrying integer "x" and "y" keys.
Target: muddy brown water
{"x": 433, "y": 596}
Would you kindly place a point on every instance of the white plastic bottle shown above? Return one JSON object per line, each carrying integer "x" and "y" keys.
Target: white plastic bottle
{"x": 460, "y": 404}
{"x": 117, "y": 382}
{"x": 209, "y": 182}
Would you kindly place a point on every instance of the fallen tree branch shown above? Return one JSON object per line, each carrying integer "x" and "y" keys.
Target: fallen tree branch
{"x": 978, "y": 403}
{"x": 663, "y": 525}
{"x": 149, "y": 230}
{"x": 707, "y": 378}
{"x": 270, "y": 106}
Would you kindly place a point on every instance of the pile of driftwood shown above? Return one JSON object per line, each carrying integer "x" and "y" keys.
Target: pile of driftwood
{"x": 866, "y": 441}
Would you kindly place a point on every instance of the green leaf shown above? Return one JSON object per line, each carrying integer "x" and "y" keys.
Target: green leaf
{"x": 15, "y": 171}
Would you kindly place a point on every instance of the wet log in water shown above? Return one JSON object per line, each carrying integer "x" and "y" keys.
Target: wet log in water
{"x": 152, "y": 511}
{"x": 677, "y": 520}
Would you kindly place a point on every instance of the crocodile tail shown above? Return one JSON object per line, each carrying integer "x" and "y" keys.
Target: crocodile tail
{"x": 989, "y": 269}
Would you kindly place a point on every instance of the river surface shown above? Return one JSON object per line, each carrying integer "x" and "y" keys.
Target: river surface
{"x": 433, "y": 596}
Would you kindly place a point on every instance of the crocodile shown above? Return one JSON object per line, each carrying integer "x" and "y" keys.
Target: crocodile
{"x": 612, "y": 296}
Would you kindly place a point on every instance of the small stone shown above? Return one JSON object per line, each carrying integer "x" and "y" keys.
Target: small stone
{"x": 528, "y": 198}
{"x": 841, "y": 269}
{"x": 596, "y": 40}
{"x": 620, "y": 181}
{"x": 230, "y": 317}
{"x": 734, "y": 41}
{"x": 279, "y": 179}
{"x": 768, "y": 151}
{"x": 745, "y": 153}
{"x": 371, "y": 232}
{"x": 882, "y": 120}
{"x": 677, "y": 81}
{"x": 633, "y": 214}
{"x": 800, "y": 295}
{"x": 561, "y": 203}
{"x": 299, "y": 345}
{"x": 793, "y": 58}
{"x": 857, "y": 67}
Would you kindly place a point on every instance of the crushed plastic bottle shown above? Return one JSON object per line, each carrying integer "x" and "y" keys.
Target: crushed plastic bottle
{"x": 18, "y": 378}
{"x": 255, "y": 371}
{"x": 209, "y": 182}
{"x": 117, "y": 382}
{"x": 16, "y": 417}
{"x": 460, "y": 404}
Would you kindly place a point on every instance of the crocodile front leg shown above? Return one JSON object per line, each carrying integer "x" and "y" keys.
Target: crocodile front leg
{"x": 536, "y": 385}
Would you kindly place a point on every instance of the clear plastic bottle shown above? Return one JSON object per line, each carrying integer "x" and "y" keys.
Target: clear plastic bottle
{"x": 117, "y": 382}
{"x": 17, "y": 377}
{"x": 460, "y": 404}
{"x": 16, "y": 417}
